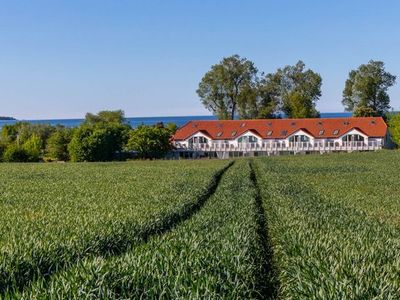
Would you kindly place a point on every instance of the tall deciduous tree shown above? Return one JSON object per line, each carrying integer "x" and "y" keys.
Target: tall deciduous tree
{"x": 228, "y": 86}
{"x": 295, "y": 90}
{"x": 365, "y": 92}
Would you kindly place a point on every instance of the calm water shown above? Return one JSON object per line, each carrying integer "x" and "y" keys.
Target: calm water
{"x": 134, "y": 122}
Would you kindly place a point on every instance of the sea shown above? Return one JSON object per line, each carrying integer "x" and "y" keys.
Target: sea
{"x": 134, "y": 122}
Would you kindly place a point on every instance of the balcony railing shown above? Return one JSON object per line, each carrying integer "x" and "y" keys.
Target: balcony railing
{"x": 282, "y": 146}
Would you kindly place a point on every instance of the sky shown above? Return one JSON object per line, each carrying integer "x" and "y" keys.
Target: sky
{"x": 61, "y": 59}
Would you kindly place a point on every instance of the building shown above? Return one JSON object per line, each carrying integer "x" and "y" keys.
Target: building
{"x": 230, "y": 138}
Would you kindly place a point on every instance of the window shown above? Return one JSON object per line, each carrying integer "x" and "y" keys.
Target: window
{"x": 319, "y": 123}
{"x": 321, "y": 132}
{"x": 247, "y": 139}
{"x": 299, "y": 138}
{"x": 269, "y": 123}
{"x": 336, "y": 132}
{"x": 243, "y": 124}
{"x": 219, "y": 134}
{"x": 233, "y": 133}
{"x": 293, "y": 124}
{"x": 372, "y": 122}
{"x": 346, "y": 123}
{"x": 269, "y": 133}
{"x": 194, "y": 125}
{"x": 198, "y": 140}
{"x": 283, "y": 132}
{"x": 219, "y": 125}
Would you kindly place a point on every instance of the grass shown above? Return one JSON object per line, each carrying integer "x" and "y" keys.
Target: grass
{"x": 217, "y": 253}
{"x": 329, "y": 236}
{"x": 53, "y": 215}
{"x": 289, "y": 227}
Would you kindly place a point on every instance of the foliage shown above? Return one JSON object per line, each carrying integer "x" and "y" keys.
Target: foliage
{"x": 105, "y": 116}
{"x": 394, "y": 128}
{"x": 365, "y": 91}
{"x": 15, "y": 153}
{"x": 149, "y": 141}
{"x": 57, "y": 144}
{"x": 33, "y": 148}
{"x": 228, "y": 86}
{"x": 295, "y": 90}
{"x": 97, "y": 142}
{"x": 55, "y": 214}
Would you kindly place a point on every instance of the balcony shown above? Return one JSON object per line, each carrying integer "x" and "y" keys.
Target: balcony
{"x": 284, "y": 146}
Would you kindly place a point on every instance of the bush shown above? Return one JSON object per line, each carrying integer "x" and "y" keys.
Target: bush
{"x": 33, "y": 148}
{"x": 149, "y": 141}
{"x": 57, "y": 145}
{"x": 15, "y": 153}
{"x": 97, "y": 142}
{"x": 394, "y": 127}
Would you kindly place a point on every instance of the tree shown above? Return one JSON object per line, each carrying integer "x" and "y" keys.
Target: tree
{"x": 227, "y": 86}
{"x": 57, "y": 144}
{"x": 365, "y": 92}
{"x": 394, "y": 128}
{"x": 15, "y": 153}
{"x": 97, "y": 142}
{"x": 295, "y": 90}
{"x": 105, "y": 116}
{"x": 150, "y": 141}
{"x": 33, "y": 148}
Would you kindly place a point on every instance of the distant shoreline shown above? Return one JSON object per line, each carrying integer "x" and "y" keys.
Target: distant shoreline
{"x": 7, "y": 119}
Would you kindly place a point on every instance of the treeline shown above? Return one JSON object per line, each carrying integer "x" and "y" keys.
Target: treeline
{"x": 101, "y": 137}
{"x": 234, "y": 88}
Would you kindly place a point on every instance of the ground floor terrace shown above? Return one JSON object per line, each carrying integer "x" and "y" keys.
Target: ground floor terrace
{"x": 224, "y": 150}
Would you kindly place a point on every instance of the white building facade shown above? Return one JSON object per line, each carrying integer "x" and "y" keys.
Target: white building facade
{"x": 278, "y": 136}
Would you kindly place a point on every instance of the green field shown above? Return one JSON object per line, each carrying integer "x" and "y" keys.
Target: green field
{"x": 290, "y": 227}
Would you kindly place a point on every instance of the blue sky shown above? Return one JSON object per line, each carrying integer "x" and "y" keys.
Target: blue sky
{"x": 60, "y": 59}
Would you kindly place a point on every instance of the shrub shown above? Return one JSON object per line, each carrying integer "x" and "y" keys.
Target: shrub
{"x": 15, "y": 153}
{"x": 32, "y": 148}
{"x": 149, "y": 141}
{"x": 97, "y": 142}
{"x": 57, "y": 145}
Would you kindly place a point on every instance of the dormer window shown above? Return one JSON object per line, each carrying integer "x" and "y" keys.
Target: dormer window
{"x": 219, "y": 125}
{"x": 320, "y": 123}
{"x": 346, "y": 123}
{"x": 233, "y": 133}
{"x": 269, "y": 133}
{"x": 194, "y": 125}
{"x": 269, "y": 123}
{"x": 293, "y": 124}
{"x": 336, "y": 132}
{"x": 219, "y": 134}
{"x": 243, "y": 124}
{"x": 283, "y": 132}
{"x": 372, "y": 122}
{"x": 321, "y": 132}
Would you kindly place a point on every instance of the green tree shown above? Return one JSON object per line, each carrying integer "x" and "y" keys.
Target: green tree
{"x": 97, "y": 143}
{"x": 295, "y": 90}
{"x": 365, "y": 92}
{"x": 32, "y": 147}
{"x": 394, "y": 128}
{"x": 228, "y": 86}
{"x": 150, "y": 141}
{"x": 15, "y": 153}
{"x": 105, "y": 116}
{"x": 57, "y": 144}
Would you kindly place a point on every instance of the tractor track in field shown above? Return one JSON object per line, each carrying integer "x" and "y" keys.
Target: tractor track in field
{"x": 267, "y": 284}
{"x": 158, "y": 228}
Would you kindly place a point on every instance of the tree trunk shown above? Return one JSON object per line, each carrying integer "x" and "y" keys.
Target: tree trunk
{"x": 233, "y": 111}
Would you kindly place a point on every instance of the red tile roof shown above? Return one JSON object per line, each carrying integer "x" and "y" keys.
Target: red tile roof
{"x": 282, "y": 128}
